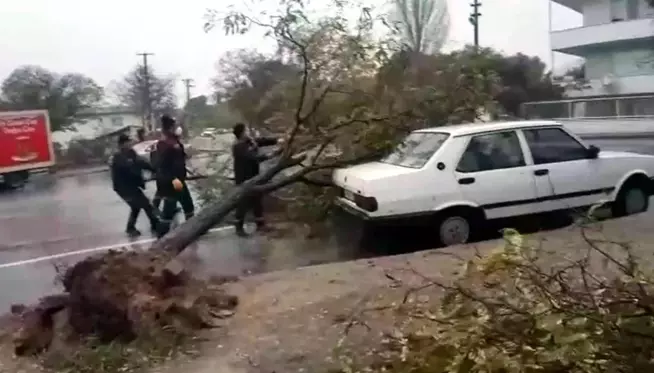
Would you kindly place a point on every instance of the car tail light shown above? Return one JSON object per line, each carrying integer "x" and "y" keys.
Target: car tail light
{"x": 366, "y": 203}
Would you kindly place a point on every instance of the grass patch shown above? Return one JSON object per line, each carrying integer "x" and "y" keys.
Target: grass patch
{"x": 91, "y": 356}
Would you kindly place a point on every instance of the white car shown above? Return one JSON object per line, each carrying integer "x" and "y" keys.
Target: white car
{"x": 144, "y": 148}
{"x": 459, "y": 176}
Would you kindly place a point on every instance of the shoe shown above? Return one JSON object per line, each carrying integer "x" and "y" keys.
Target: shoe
{"x": 240, "y": 232}
{"x": 133, "y": 232}
{"x": 263, "y": 228}
{"x": 162, "y": 229}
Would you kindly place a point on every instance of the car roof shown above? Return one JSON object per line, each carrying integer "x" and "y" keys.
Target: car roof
{"x": 473, "y": 128}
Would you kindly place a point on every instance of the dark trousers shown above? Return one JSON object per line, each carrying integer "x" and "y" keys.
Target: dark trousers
{"x": 138, "y": 201}
{"x": 170, "y": 201}
{"x": 156, "y": 200}
{"x": 254, "y": 204}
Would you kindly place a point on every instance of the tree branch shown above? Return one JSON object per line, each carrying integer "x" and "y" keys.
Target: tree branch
{"x": 313, "y": 182}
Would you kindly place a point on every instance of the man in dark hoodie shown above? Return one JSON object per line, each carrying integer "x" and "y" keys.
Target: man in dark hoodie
{"x": 247, "y": 158}
{"x": 171, "y": 174}
{"x": 127, "y": 178}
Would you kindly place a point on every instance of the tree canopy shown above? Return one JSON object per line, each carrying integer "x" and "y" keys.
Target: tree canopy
{"x": 202, "y": 114}
{"x": 32, "y": 87}
{"x": 131, "y": 91}
{"x": 422, "y": 25}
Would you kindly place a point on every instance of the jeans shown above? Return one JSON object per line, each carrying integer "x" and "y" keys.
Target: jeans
{"x": 138, "y": 201}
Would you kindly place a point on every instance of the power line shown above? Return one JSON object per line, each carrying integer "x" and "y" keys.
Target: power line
{"x": 474, "y": 20}
{"x": 147, "y": 102}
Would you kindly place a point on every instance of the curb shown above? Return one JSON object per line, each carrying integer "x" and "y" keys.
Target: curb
{"x": 64, "y": 174}
{"x": 617, "y": 136}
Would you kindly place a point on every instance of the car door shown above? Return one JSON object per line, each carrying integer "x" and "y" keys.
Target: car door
{"x": 492, "y": 173}
{"x": 565, "y": 176}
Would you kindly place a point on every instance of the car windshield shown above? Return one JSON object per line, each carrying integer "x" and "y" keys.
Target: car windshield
{"x": 416, "y": 149}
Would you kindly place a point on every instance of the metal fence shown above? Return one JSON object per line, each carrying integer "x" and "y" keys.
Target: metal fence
{"x": 591, "y": 108}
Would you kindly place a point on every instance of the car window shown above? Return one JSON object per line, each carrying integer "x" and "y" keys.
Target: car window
{"x": 552, "y": 145}
{"x": 416, "y": 149}
{"x": 492, "y": 152}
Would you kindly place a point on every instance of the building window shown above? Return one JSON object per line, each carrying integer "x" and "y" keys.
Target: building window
{"x": 633, "y": 63}
{"x": 599, "y": 65}
{"x": 117, "y": 121}
{"x": 632, "y": 9}
{"x": 645, "y": 10}
{"x": 618, "y": 10}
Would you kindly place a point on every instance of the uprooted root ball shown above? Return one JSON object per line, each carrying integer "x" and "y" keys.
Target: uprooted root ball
{"x": 121, "y": 295}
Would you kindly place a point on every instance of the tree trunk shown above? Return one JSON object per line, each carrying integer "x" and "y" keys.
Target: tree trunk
{"x": 188, "y": 232}
{"x": 210, "y": 216}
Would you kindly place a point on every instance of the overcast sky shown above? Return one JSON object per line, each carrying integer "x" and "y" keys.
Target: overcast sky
{"x": 101, "y": 38}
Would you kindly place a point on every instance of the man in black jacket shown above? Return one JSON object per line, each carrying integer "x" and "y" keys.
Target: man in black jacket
{"x": 127, "y": 178}
{"x": 245, "y": 152}
{"x": 171, "y": 175}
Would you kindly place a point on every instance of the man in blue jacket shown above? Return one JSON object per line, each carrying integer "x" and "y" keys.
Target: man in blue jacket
{"x": 127, "y": 178}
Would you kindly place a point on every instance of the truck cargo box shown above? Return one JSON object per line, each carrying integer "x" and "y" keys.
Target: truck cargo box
{"x": 25, "y": 141}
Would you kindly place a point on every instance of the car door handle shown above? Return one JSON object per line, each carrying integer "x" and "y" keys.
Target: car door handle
{"x": 541, "y": 172}
{"x": 467, "y": 180}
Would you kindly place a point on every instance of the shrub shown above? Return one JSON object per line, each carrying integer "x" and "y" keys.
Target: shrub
{"x": 511, "y": 311}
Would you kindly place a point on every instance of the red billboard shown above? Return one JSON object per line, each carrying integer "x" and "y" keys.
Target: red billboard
{"x": 25, "y": 140}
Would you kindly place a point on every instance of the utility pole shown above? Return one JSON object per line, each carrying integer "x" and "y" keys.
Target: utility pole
{"x": 474, "y": 20}
{"x": 147, "y": 102}
{"x": 188, "y": 83}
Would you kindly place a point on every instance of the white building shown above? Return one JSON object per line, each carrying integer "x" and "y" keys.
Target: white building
{"x": 98, "y": 122}
{"x": 616, "y": 42}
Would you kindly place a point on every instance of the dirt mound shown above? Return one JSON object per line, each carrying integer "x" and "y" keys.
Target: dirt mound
{"x": 119, "y": 296}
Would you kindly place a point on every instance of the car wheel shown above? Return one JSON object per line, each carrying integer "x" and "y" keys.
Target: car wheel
{"x": 16, "y": 180}
{"x": 454, "y": 229}
{"x": 632, "y": 199}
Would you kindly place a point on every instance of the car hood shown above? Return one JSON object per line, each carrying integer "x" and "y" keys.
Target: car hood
{"x": 143, "y": 147}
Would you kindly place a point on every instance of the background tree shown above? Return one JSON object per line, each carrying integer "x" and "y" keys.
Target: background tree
{"x": 577, "y": 72}
{"x": 203, "y": 114}
{"x": 130, "y": 91}
{"x": 64, "y": 96}
{"x": 422, "y": 25}
{"x": 246, "y": 79}
{"x": 524, "y": 78}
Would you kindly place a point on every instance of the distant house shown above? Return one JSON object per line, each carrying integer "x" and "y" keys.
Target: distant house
{"x": 99, "y": 123}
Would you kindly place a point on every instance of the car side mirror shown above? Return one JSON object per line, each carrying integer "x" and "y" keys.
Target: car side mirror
{"x": 593, "y": 152}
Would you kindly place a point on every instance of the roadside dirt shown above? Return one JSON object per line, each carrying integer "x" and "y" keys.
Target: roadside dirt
{"x": 292, "y": 320}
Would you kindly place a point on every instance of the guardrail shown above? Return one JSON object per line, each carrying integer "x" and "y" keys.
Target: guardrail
{"x": 624, "y": 107}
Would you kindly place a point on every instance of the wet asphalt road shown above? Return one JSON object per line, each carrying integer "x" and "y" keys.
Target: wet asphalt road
{"x": 55, "y": 222}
